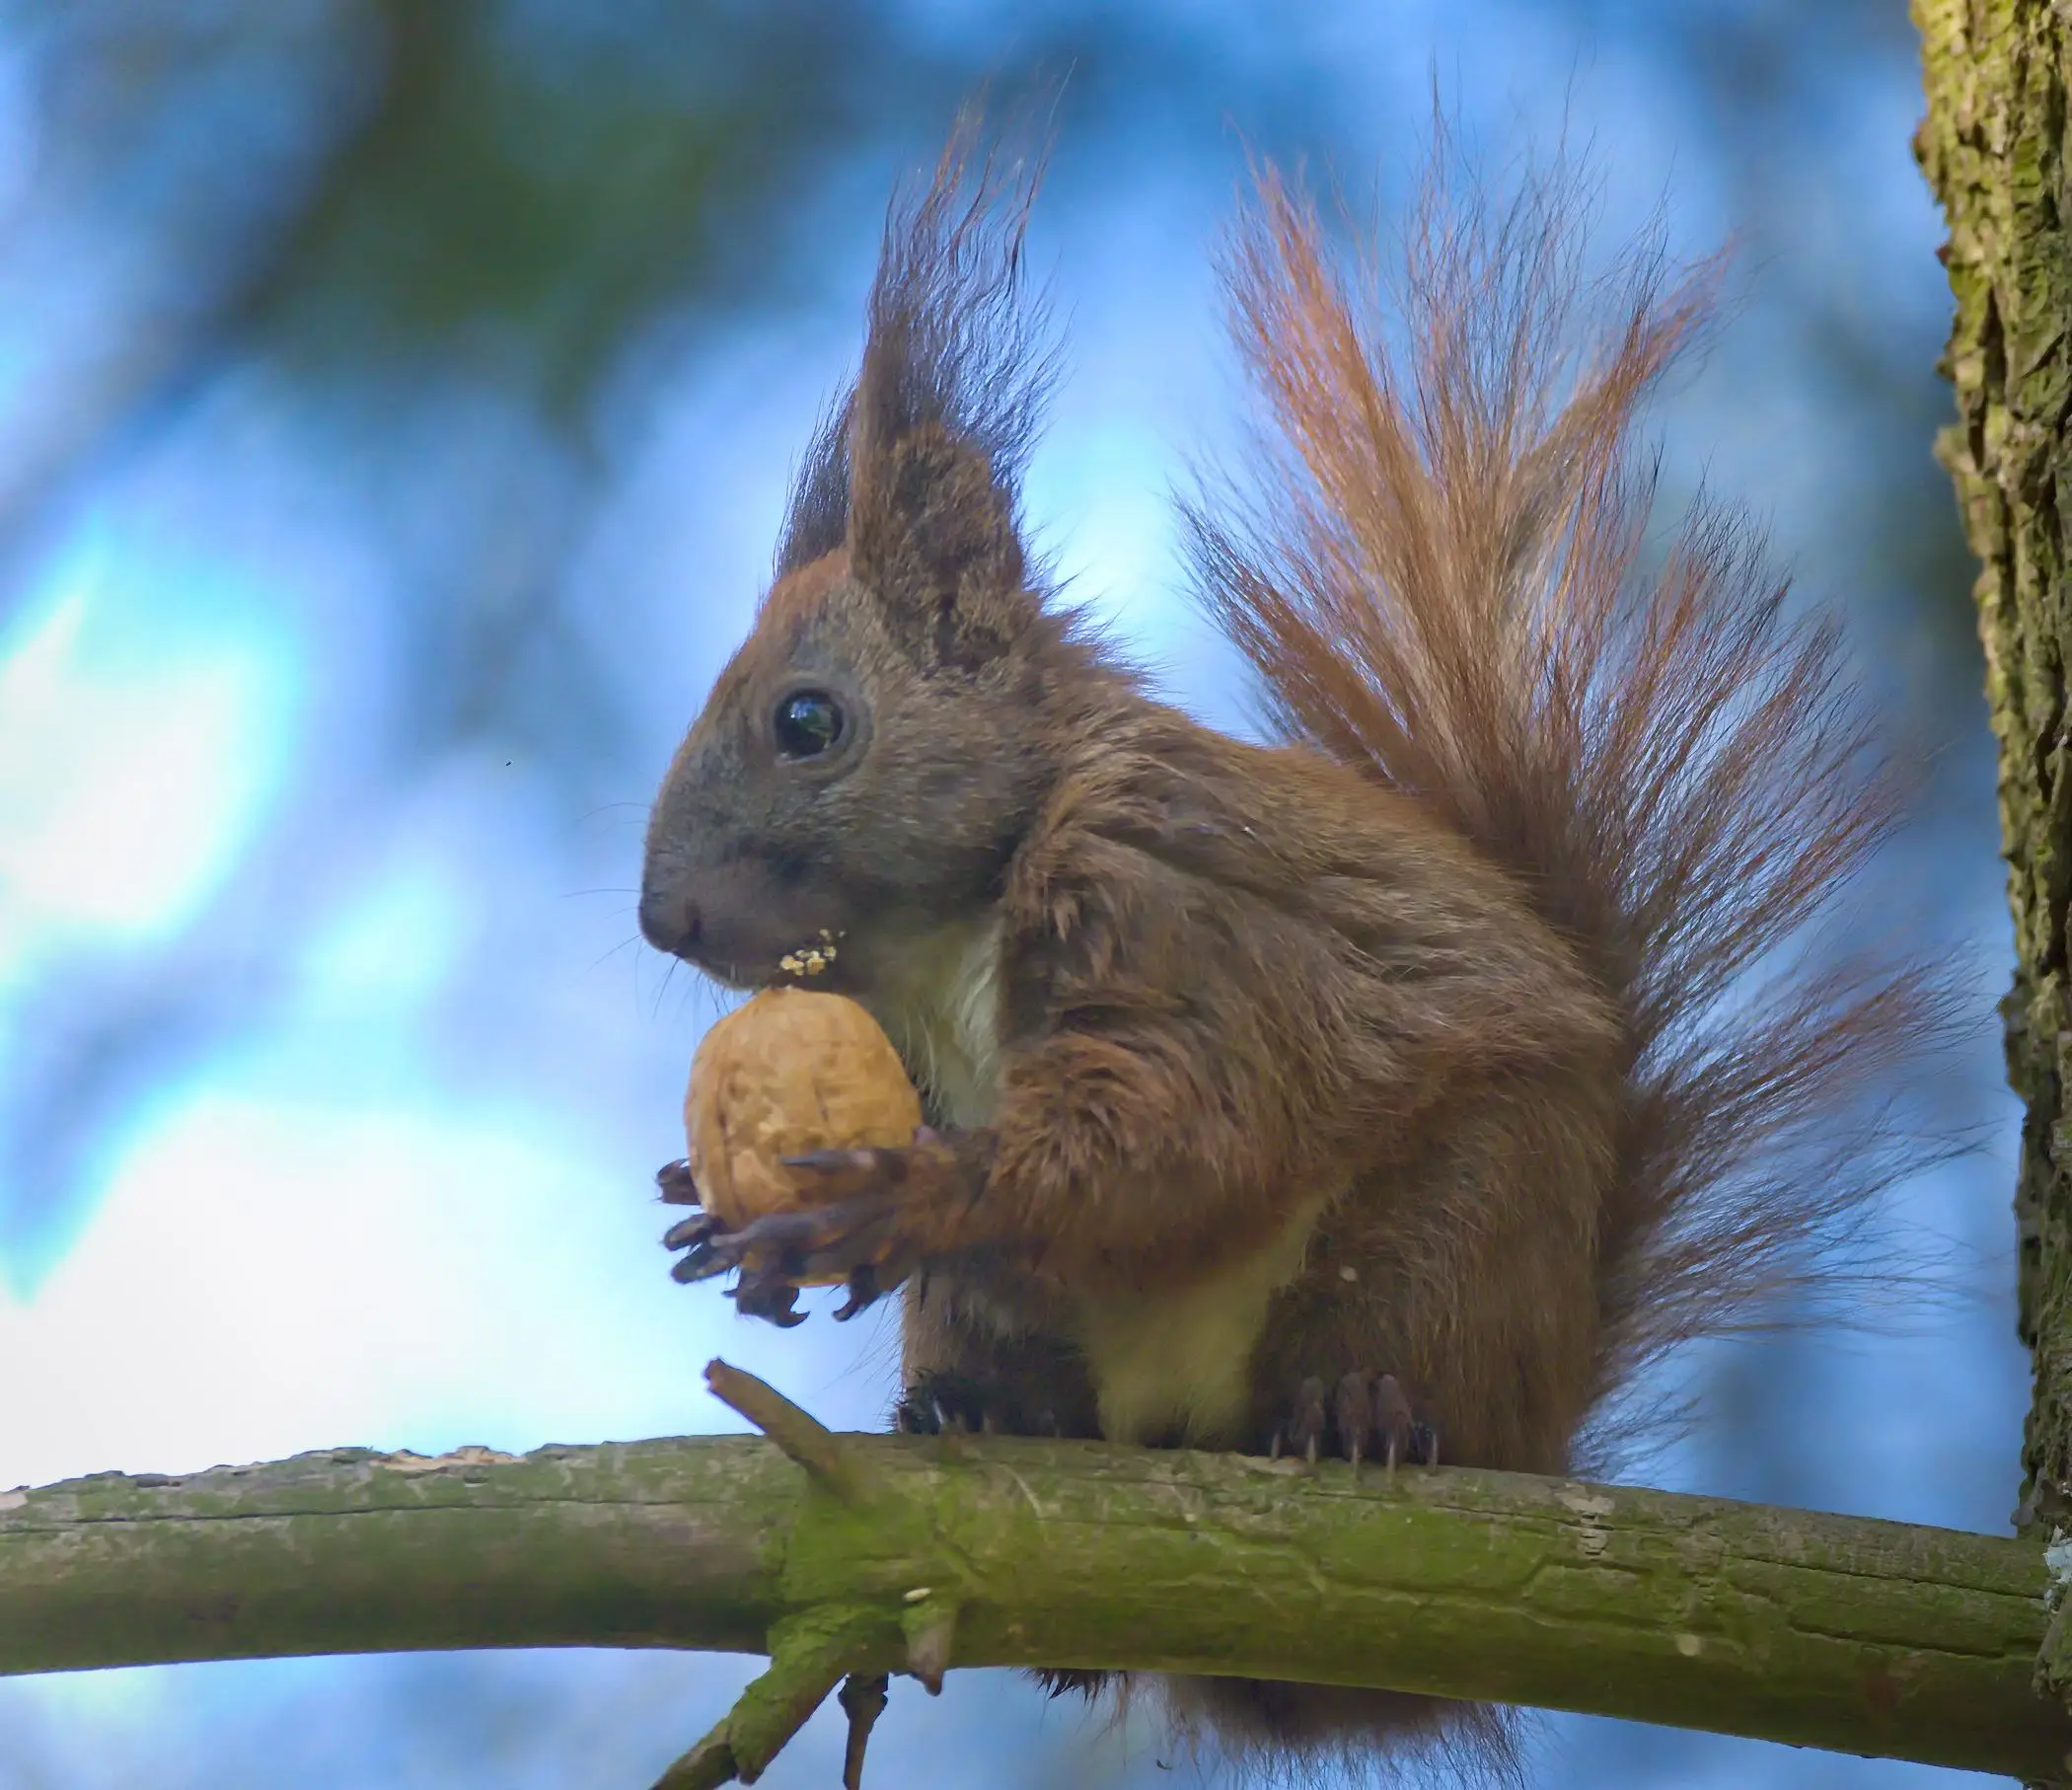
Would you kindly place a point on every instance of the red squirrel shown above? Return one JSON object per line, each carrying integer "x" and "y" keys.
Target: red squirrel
{"x": 1393, "y": 1090}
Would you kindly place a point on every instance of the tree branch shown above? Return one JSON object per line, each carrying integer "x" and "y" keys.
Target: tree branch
{"x": 808, "y": 1655}
{"x": 917, "y": 1553}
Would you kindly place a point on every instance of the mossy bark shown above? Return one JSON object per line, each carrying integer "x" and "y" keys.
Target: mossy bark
{"x": 1993, "y": 148}
{"x": 1860, "y": 1636}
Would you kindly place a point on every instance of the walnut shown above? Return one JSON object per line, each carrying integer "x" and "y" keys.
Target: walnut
{"x": 789, "y": 1071}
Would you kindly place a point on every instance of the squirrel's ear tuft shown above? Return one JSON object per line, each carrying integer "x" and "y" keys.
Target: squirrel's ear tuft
{"x": 932, "y": 536}
{"x": 955, "y": 370}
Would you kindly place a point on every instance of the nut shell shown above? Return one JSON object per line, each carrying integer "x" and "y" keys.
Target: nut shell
{"x": 788, "y": 1071}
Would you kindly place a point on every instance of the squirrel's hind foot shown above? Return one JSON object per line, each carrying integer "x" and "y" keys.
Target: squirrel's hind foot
{"x": 969, "y": 1404}
{"x": 1363, "y": 1417}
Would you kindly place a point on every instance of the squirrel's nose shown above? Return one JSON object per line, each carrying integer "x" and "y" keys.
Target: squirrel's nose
{"x": 670, "y": 923}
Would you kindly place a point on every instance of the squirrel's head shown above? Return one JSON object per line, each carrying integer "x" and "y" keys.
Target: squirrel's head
{"x": 874, "y": 753}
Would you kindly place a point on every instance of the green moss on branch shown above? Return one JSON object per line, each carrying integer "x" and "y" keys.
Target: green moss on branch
{"x": 1824, "y": 1631}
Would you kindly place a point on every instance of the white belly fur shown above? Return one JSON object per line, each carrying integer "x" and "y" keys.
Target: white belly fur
{"x": 940, "y": 1008}
{"x": 1177, "y": 1362}
{"x": 1180, "y": 1362}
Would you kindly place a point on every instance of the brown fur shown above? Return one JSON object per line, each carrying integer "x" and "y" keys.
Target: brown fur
{"x": 1408, "y": 1036}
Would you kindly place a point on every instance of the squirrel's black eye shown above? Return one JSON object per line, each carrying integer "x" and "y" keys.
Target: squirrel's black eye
{"x": 807, "y": 723}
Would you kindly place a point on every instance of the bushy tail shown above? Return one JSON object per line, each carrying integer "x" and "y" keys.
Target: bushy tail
{"x": 1444, "y": 575}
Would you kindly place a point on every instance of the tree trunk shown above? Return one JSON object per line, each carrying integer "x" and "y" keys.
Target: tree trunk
{"x": 1993, "y": 148}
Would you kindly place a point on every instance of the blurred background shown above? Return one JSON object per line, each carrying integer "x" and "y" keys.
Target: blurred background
{"x": 396, "y": 402}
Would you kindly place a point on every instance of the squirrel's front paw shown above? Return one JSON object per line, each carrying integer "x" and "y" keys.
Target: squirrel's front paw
{"x": 854, "y": 1241}
{"x": 868, "y": 1221}
{"x": 1363, "y": 1417}
{"x": 710, "y": 1247}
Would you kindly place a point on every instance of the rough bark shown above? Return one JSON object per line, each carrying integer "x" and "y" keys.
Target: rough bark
{"x": 866, "y": 1554}
{"x": 1993, "y": 148}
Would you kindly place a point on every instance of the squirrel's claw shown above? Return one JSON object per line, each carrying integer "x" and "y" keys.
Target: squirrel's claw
{"x": 863, "y": 1292}
{"x": 856, "y": 1229}
{"x": 1368, "y": 1415}
{"x": 1402, "y": 1437}
{"x": 1374, "y": 1417}
{"x": 758, "y": 1297}
{"x": 676, "y": 1185}
{"x": 1303, "y": 1431}
{"x": 941, "y": 1403}
{"x": 694, "y": 1234}
{"x": 815, "y": 1243}
{"x": 850, "y": 1240}
{"x": 692, "y": 1231}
